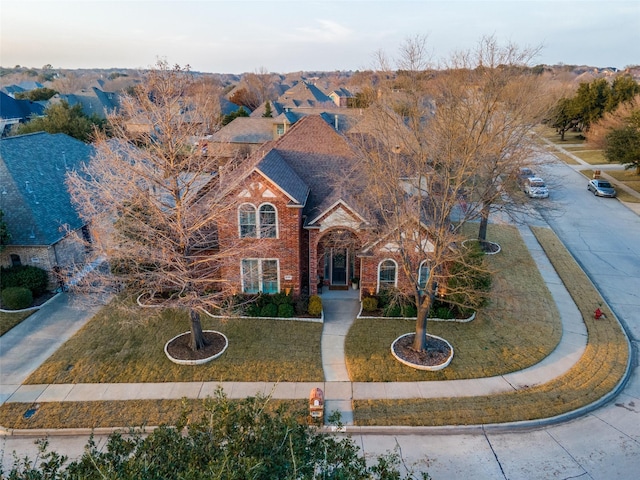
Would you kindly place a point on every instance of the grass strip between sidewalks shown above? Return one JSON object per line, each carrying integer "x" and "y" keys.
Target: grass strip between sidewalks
{"x": 598, "y": 371}
{"x": 116, "y": 414}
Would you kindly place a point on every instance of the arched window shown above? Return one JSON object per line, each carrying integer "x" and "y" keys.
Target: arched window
{"x": 247, "y": 221}
{"x": 268, "y": 221}
{"x": 387, "y": 274}
{"x": 423, "y": 275}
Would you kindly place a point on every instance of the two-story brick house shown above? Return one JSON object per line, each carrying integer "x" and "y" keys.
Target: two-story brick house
{"x": 297, "y": 205}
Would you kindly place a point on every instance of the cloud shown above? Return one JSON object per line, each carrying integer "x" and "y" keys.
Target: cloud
{"x": 327, "y": 31}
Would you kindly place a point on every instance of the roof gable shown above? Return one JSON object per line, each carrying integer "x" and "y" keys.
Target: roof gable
{"x": 279, "y": 172}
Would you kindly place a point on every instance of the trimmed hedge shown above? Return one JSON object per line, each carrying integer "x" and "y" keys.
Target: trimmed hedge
{"x": 315, "y": 306}
{"x": 27, "y": 276}
{"x": 16, "y": 298}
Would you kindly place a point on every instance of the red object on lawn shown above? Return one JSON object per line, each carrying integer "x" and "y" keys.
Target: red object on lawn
{"x": 597, "y": 313}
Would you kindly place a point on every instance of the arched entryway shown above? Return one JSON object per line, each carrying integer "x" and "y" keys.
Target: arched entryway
{"x": 337, "y": 261}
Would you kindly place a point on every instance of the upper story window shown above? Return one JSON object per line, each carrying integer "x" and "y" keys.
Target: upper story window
{"x": 262, "y": 223}
{"x": 280, "y": 129}
{"x": 387, "y": 274}
{"x": 247, "y": 221}
{"x": 423, "y": 275}
{"x": 268, "y": 222}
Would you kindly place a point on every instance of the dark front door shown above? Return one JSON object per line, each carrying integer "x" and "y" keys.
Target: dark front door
{"x": 339, "y": 267}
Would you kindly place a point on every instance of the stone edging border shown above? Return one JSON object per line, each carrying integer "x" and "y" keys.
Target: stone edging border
{"x": 30, "y": 309}
{"x": 458, "y": 320}
{"x": 486, "y": 241}
{"x": 200, "y": 361}
{"x": 433, "y": 368}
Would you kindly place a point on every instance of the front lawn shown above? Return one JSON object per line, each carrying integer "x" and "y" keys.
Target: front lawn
{"x": 598, "y": 371}
{"x": 517, "y": 329}
{"x": 118, "y": 347}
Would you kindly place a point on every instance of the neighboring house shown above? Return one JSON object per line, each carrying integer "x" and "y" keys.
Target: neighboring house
{"x": 44, "y": 227}
{"x": 93, "y": 101}
{"x": 14, "y": 111}
{"x": 26, "y": 86}
{"x": 341, "y": 97}
{"x": 297, "y": 206}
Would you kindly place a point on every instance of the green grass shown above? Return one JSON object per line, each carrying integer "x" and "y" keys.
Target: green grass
{"x": 519, "y": 328}
{"x": 116, "y": 347}
{"x": 628, "y": 177}
{"x": 10, "y": 320}
{"x": 598, "y": 371}
{"x": 123, "y": 414}
{"x": 550, "y": 134}
{"x": 592, "y": 157}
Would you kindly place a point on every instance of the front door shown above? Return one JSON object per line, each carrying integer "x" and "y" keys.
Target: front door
{"x": 339, "y": 267}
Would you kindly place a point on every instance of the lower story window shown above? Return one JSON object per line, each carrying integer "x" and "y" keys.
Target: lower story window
{"x": 259, "y": 275}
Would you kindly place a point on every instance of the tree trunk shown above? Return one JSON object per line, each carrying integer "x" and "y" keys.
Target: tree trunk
{"x": 197, "y": 337}
{"x": 420, "y": 339}
{"x": 484, "y": 222}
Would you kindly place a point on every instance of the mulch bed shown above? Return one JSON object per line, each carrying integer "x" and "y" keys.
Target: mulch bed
{"x": 437, "y": 351}
{"x": 180, "y": 350}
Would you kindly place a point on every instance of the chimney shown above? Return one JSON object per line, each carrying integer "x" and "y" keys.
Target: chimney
{"x": 336, "y": 122}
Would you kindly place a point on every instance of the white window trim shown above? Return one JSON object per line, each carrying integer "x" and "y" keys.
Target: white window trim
{"x": 423, "y": 262}
{"x": 256, "y": 222}
{"x": 259, "y": 223}
{"x": 395, "y": 278}
{"x": 260, "y": 280}
{"x": 257, "y": 217}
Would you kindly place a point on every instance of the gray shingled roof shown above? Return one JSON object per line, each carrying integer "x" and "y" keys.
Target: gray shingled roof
{"x": 34, "y": 198}
{"x": 10, "y": 108}
{"x": 246, "y": 130}
{"x": 93, "y": 101}
{"x": 274, "y": 167}
{"x": 322, "y": 158}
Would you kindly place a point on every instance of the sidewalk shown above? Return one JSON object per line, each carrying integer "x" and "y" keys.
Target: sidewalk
{"x": 28, "y": 345}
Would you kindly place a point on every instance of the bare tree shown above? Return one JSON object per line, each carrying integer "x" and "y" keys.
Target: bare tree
{"x": 154, "y": 201}
{"x": 440, "y": 138}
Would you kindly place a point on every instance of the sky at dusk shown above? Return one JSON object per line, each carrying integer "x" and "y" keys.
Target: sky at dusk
{"x": 235, "y": 36}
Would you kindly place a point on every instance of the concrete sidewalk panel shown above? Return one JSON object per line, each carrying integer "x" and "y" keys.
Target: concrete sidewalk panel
{"x": 394, "y": 390}
{"x": 27, "y": 393}
{"x": 247, "y": 389}
{"x": 56, "y": 393}
{"x": 87, "y": 392}
{"x": 338, "y": 391}
{"x": 368, "y": 390}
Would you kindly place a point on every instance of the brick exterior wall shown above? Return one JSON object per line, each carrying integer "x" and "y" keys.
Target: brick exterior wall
{"x": 67, "y": 253}
{"x": 286, "y": 247}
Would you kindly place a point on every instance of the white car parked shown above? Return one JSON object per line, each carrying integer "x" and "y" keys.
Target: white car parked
{"x": 535, "y": 187}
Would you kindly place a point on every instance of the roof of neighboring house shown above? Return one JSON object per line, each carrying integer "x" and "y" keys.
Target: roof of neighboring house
{"x": 304, "y": 95}
{"x": 342, "y": 92}
{"x": 93, "y": 101}
{"x": 34, "y": 197}
{"x": 23, "y": 109}
{"x": 11, "y": 90}
{"x": 246, "y": 130}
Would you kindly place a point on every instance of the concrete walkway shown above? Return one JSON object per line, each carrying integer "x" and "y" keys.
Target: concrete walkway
{"x": 28, "y": 345}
